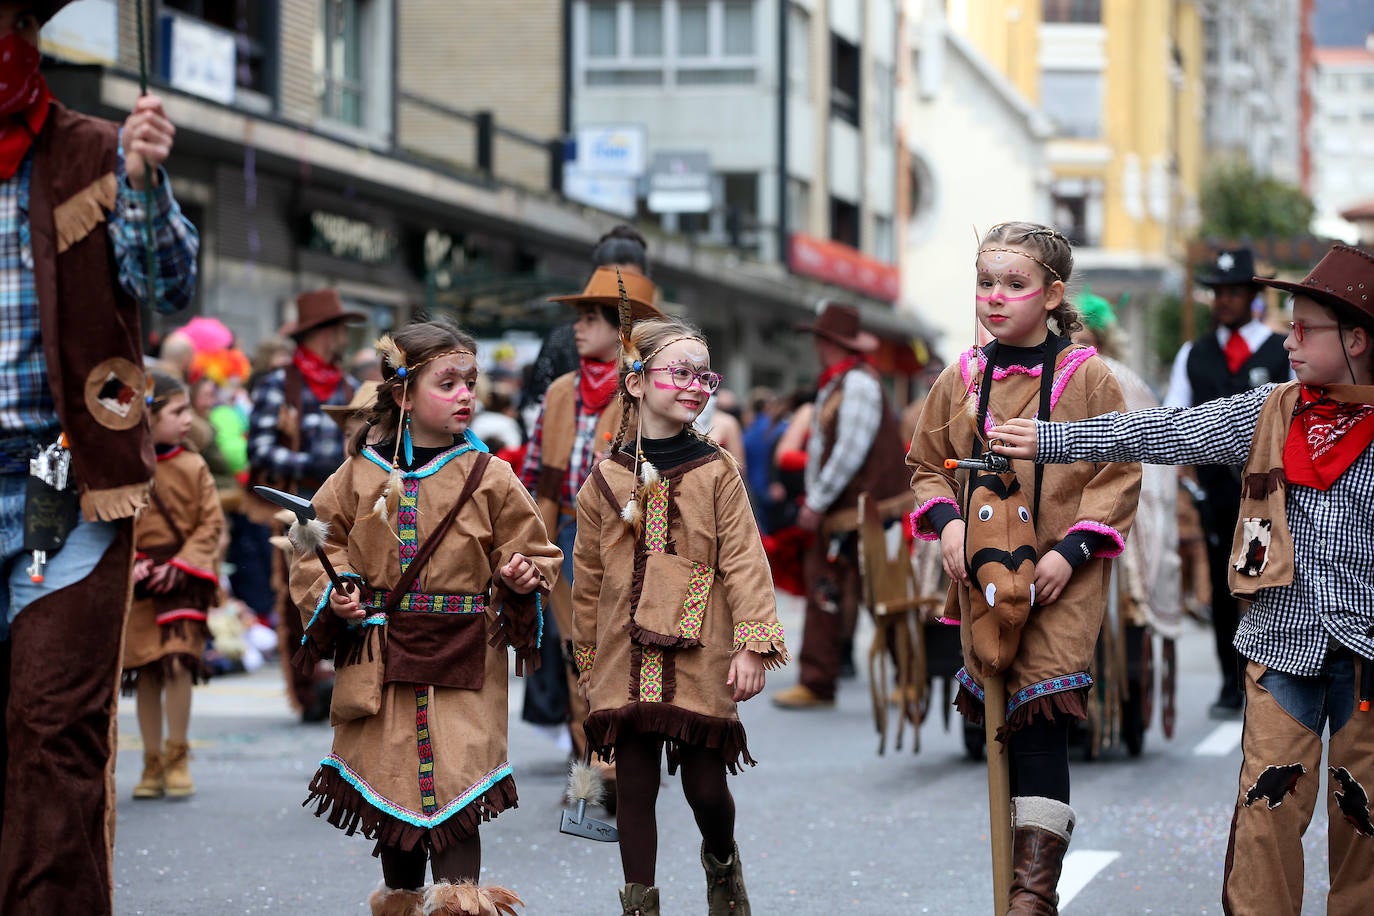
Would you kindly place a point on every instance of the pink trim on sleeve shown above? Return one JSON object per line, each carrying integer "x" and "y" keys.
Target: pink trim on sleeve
{"x": 193, "y": 570}
{"x": 1118, "y": 542}
{"x": 914, "y": 519}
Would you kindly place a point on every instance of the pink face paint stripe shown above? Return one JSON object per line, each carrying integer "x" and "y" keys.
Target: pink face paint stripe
{"x": 662, "y": 387}
{"x": 1005, "y": 298}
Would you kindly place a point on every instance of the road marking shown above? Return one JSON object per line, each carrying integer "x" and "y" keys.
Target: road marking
{"x": 1224, "y": 739}
{"x": 1080, "y": 867}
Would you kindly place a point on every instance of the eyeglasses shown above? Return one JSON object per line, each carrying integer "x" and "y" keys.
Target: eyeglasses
{"x": 1299, "y": 329}
{"x": 682, "y": 377}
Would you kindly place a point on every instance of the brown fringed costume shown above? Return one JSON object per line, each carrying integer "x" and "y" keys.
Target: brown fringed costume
{"x": 431, "y": 764}
{"x": 182, "y": 529}
{"x": 658, "y": 615}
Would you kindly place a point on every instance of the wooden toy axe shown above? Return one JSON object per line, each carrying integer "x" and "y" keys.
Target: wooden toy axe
{"x": 308, "y": 533}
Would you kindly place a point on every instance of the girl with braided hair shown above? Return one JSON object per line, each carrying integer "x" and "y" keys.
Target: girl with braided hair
{"x": 673, "y": 606}
{"x": 1081, "y": 517}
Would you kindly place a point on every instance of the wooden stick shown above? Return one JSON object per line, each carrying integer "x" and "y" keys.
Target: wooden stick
{"x": 999, "y": 791}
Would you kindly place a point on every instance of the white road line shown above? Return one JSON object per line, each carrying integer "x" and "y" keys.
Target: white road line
{"x": 1224, "y": 739}
{"x": 1080, "y": 867}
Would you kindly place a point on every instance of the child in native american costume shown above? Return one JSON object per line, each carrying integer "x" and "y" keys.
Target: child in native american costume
{"x": 673, "y": 608}
{"x": 1079, "y": 517}
{"x": 437, "y": 561}
{"x": 176, "y": 582}
{"x": 1302, "y": 553}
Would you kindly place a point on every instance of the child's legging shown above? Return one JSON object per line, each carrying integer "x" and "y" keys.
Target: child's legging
{"x": 1039, "y": 763}
{"x": 637, "y": 779}
{"x": 405, "y": 869}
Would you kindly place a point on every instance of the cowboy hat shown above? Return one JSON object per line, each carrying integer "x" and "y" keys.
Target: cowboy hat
{"x": 1343, "y": 279}
{"x": 363, "y": 399}
{"x": 1233, "y": 267}
{"x": 603, "y": 289}
{"x": 317, "y": 308}
{"x": 839, "y": 324}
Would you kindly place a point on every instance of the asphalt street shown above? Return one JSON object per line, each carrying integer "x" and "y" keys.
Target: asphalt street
{"x": 824, "y": 823}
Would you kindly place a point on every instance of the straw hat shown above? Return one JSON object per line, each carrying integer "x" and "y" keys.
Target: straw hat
{"x": 363, "y": 399}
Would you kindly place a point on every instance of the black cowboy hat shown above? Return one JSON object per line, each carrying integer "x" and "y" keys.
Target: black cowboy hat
{"x": 1233, "y": 267}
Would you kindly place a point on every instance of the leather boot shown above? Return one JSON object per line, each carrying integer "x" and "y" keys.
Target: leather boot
{"x": 151, "y": 784}
{"x": 638, "y": 900}
{"x": 725, "y": 893}
{"x": 177, "y": 771}
{"x": 1041, "y": 828}
{"x": 386, "y": 901}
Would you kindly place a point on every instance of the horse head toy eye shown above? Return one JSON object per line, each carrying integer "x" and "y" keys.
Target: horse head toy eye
{"x": 985, "y": 513}
{"x": 1024, "y": 513}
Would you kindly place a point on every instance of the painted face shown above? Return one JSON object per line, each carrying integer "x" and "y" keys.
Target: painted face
{"x": 173, "y": 421}
{"x": 1013, "y": 299}
{"x": 596, "y": 337}
{"x": 441, "y": 400}
{"x": 1320, "y": 357}
{"x": 668, "y": 408}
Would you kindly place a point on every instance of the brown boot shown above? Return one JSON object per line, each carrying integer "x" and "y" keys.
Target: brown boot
{"x": 467, "y": 899}
{"x": 638, "y": 900}
{"x": 725, "y": 893}
{"x": 177, "y": 771}
{"x": 385, "y": 901}
{"x": 1041, "y": 828}
{"x": 151, "y": 784}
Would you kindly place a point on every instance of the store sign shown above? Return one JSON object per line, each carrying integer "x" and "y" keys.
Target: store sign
{"x": 612, "y": 193}
{"x": 680, "y": 183}
{"x": 86, "y": 33}
{"x": 201, "y": 58}
{"x": 835, "y": 263}
{"x": 619, "y": 150}
{"x": 350, "y": 239}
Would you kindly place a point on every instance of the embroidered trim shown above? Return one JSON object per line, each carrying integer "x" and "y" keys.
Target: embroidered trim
{"x": 651, "y": 675}
{"x": 748, "y": 631}
{"x": 584, "y": 658}
{"x": 694, "y": 607}
{"x": 656, "y": 518}
{"x": 425, "y": 749}
{"x": 470, "y": 444}
{"x": 324, "y": 600}
{"x": 434, "y": 604}
{"x": 1046, "y": 687}
{"x": 968, "y": 683}
{"x": 387, "y": 806}
{"x": 407, "y": 519}
{"x": 913, "y": 519}
{"x": 1106, "y": 531}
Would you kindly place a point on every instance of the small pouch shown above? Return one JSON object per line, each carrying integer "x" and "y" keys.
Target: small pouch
{"x": 358, "y": 670}
{"x": 672, "y": 602}
{"x": 1254, "y": 547}
{"x": 439, "y": 649}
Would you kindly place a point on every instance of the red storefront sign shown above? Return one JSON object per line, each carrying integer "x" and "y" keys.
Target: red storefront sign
{"x": 839, "y": 264}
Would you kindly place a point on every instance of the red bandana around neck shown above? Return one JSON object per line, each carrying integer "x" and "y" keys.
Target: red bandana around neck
{"x": 596, "y": 383}
{"x": 322, "y": 377}
{"x": 837, "y": 370}
{"x": 1325, "y": 437}
{"x": 20, "y": 125}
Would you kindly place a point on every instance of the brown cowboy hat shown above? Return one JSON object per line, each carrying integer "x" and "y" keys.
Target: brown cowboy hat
{"x": 363, "y": 398}
{"x": 603, "y": 289}
{"x": 317, "y": 308}
{"x": 839, "y": 324}
{"x": 1343, "y": 279}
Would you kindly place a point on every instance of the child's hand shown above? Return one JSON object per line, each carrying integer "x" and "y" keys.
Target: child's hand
{"x": 520, "y": 575}
{"x": 164, "y": 579}
{"x": 1015, "y": 438}
{"x": 746, "y": 675}
{"x": 952, "y": 551}
{"x": 143, "y": 566}
{"x": 345, "y": 605}
{"x": 1051, "y": 575}
{"x": 584, "y": 686}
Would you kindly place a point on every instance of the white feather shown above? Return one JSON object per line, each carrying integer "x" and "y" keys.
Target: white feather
{"x": 585, "y": 782}
{"x": 309, "y": 537}
{"x": 649, "y": 474}
{"x": 630, "y": 514}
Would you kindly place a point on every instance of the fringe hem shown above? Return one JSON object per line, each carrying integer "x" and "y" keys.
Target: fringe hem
{"x": 116, "y": 503}
{"x": 165, "y": 668}
{"x": 774, "y": 652}
{"x": 517, "y": 625}
{"x": 649, "y": 638}
{"x": 678, "y": 727}
{"x": 1071, "y": 703}
{"x": 346, "y": 808}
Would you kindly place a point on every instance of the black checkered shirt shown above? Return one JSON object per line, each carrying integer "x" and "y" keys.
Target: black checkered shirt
{"x": 1288, "y": 628}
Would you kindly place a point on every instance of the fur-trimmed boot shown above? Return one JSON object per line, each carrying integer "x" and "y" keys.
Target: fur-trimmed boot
{"x": 152, "y": 784}
{"x": 386, "y": 901}
{"x": 638, "y": 900}
{"x": 1041, "y": 828}
{"x": 725, "y": 893}
{"x": 177, "y": 771}
{"x": 467, "y": 899}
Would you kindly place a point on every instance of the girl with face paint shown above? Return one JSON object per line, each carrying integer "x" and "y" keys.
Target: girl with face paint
{"x": 1081, "y": 515}
{"x": 447, "y": 565}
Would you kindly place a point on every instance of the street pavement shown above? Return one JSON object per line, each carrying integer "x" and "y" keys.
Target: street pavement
{"x": 824, "y": 823}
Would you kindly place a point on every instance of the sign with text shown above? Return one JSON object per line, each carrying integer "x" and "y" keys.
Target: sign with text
{"x": 350, "y": 239}
{"x": 201, "y": 58}
{"x": 612, "y": 150}
{"x": 680, "y": 183}
{"x": 613, "y": 193}
{"x": 836, "y": 263}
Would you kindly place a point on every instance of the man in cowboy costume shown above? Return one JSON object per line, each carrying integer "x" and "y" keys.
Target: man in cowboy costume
{"x": 294, "y": 446}
{"x": 854, "y": 447}
{"x": 1240, "y": 354}
{"x": 74, "y": 207}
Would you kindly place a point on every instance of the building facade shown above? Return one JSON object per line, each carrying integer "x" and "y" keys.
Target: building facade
{"x": 1343, "y": 140}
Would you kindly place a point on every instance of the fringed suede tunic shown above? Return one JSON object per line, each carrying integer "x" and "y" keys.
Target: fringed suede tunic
{"x": 181, "y": 529}
{"x": 658, "y": 614}
{"x": 431, "y": 765}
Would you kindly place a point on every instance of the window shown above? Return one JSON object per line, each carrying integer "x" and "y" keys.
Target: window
{"x": 741, "y": 208}
{"x": 352, "y": 60}
{"x": 799, "y": 50}
{"x": 1073, "y": 100}
{"x": 884, "y": 241}
{"x": 844, "y": 222}
{"x": 844, "y": 80}
{"x": 799, "y": 205}
{"x": 1077, "y": 207}
{"x": 884, "y": 88}
{"x": 1071, "y": 11}
{"x": 343, "y": 64}
{"x": 665, "y": 42}
{"x": 255, "y": 29}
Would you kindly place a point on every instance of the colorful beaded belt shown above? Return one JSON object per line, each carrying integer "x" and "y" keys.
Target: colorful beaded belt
{"x": 435, "y": 604}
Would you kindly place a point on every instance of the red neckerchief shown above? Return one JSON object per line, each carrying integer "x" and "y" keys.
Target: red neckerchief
{"x": 1325, "y": 437}
{"x": 837, "y": 370}
{"x": 17, "y": 132}
{"x": 322, "y": 377}
{"x": 596, "y": 383}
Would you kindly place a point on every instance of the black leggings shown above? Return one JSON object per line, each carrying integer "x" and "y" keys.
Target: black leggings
{"x": 637, "y": 777}
{"x": 1039, "y": 758}
{"x": 405, "y": 869}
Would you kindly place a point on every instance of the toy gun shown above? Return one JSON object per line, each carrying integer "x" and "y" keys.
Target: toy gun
{"x": 989, "y": 462}
{"x": 50, "y": 508}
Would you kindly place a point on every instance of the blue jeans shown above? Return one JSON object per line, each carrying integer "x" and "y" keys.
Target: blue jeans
{"x": 1315, "y": 701}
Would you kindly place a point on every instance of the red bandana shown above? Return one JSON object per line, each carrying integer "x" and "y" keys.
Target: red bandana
{"x": 1325, "y": 437}
{"x": 322, "y": 377}
{"x": 837, "y": 370}
{"x": 596, "y": 383}
{"x": 21, "y": 123}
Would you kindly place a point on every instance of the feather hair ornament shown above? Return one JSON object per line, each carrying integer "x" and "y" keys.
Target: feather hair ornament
{"x": 632, "y": 514}
{"x": 390, "y": 497}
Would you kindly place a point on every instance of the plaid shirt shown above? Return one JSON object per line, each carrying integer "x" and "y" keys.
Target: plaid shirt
{"x": 1288, "y": 628}
{"x": 580, "y": 462}
{"x": 861, "y": 412}
{"x": 321, "y": 439}
{"x": 26, "y": 405}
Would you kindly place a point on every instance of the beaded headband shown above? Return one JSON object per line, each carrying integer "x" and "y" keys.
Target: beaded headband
{"x": 639, "y": 364}
{"x": 1028, "y": 255}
